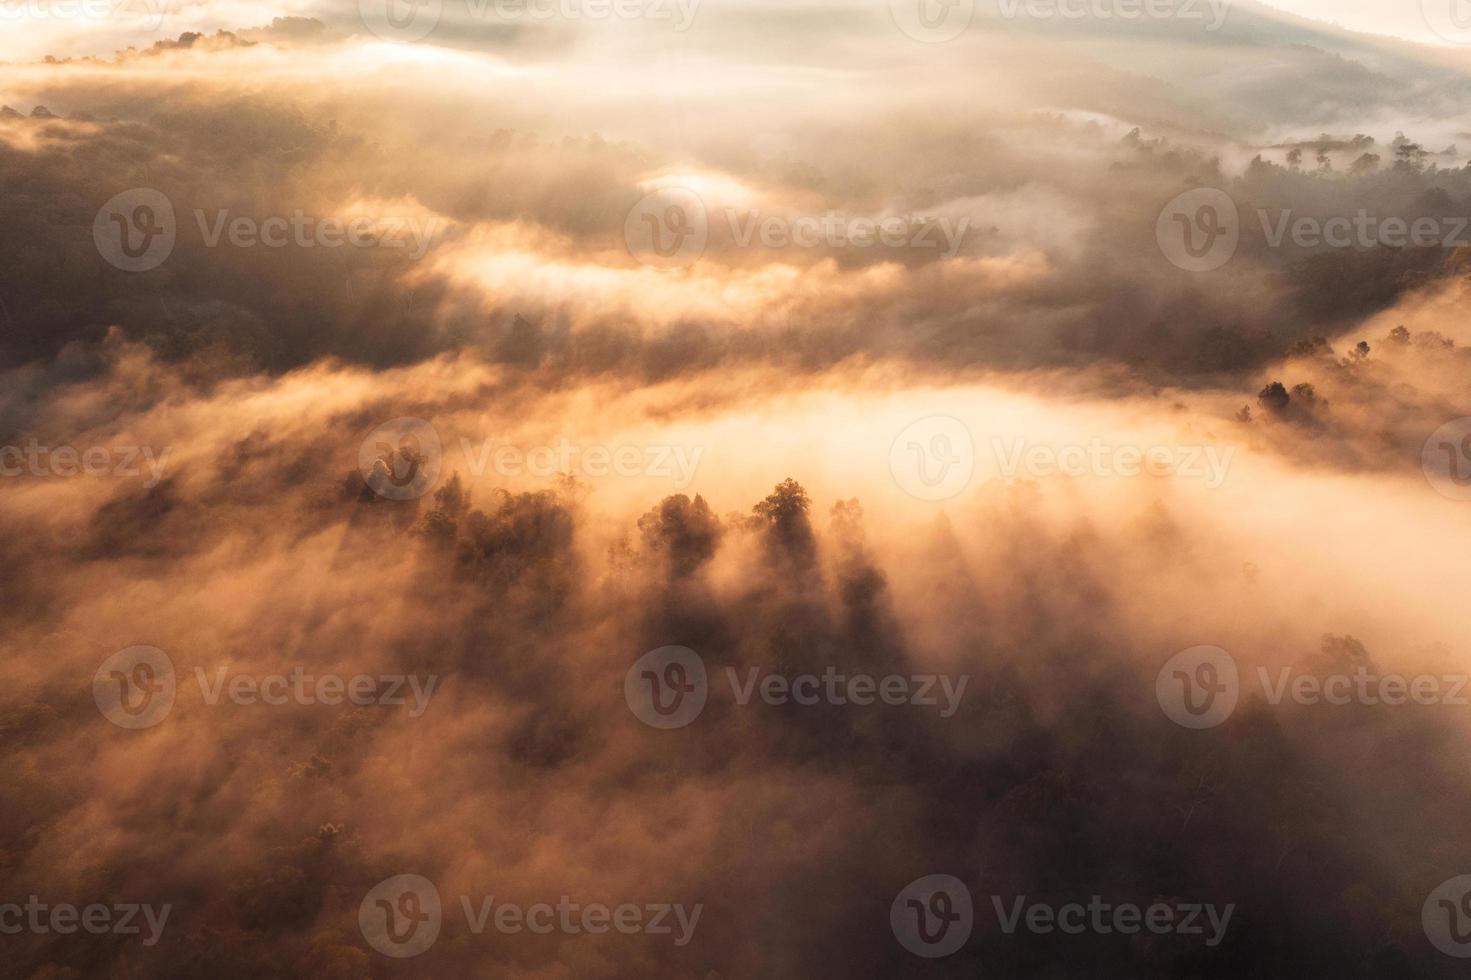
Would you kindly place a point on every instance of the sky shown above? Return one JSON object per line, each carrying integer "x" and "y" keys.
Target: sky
{"x": 148, "y": 20}
{"x": 1408, "y": 19}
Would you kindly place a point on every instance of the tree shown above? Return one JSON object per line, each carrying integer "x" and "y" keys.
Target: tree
{"x": 684, "y": 532}
{"x": 789, "y": 530}
{"x": 1274, "y": 397}
{"x": 1365, "y": 165}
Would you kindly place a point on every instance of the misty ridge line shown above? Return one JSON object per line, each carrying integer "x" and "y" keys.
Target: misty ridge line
{"x": 214, "y": 226}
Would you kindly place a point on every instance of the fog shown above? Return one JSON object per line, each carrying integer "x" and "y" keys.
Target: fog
{"x": 1015, "y": 439}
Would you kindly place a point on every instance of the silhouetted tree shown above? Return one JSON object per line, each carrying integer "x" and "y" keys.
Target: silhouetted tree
{"x": 1274, "y": 397}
